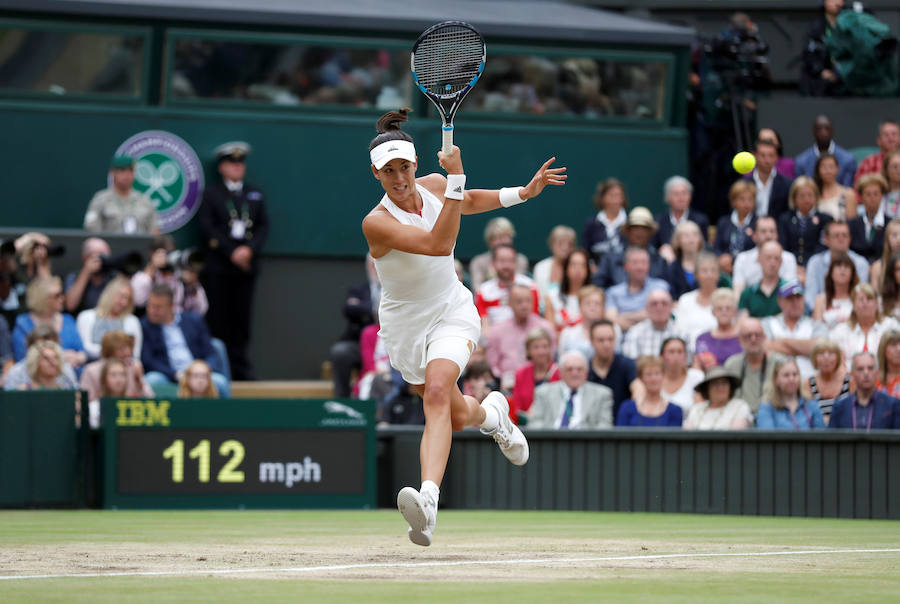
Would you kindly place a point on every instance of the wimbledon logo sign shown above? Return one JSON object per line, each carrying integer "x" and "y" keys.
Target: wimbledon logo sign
{"x": 168, "y": 171}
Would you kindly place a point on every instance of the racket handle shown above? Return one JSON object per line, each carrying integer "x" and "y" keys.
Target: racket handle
{"x": 447, "y": 141}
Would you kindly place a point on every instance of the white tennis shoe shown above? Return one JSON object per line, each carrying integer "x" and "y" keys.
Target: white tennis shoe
{"x": 420, "y": 511}
{"x": 511, "y": 440}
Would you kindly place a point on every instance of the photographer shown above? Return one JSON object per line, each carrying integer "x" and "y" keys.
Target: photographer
{"x": 176, "y": 269}
{"x": 84, "y": 288}
{"x": 188, "y": 264}
{"x": 733, "y": 69}
{"x": 34, "y": 250}
{"x": 738, "y": 69}
{"x": 157, "y": 271}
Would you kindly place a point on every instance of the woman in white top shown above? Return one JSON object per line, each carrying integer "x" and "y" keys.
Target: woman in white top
{"x": 549, "y": 272}
{"x": 863, "y": 330}
{"x": 837, "y": 201}
{"x": 833, "y": 306}
{"x": 678, "y": 379}
{"x": 694, "y": 313}
{"x": 428, "y": 318}
{"x": 113, "y": 312}
{"x": 592, "y": 303}
{"x": 719, "y": 410}
{"x": 563, "y": 306}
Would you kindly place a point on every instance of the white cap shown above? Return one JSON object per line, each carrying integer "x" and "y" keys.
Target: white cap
{"x": 389, "y": 150}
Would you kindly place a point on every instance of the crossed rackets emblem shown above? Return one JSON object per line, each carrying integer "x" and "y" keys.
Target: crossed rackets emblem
{"x": 156, "y": 179}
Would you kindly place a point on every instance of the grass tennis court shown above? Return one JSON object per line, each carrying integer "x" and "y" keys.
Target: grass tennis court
{"x": 364, "y": 556}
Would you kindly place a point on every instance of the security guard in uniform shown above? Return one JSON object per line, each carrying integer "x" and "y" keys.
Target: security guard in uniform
{"x": 121, "y": 209}
{"x": 235, "y": 224}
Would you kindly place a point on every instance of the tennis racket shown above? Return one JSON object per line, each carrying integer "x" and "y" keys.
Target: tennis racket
{"x": 447, "y": 60}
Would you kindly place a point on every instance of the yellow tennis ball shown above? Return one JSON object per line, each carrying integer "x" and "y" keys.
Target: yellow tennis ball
{"x": 743, "y": 162}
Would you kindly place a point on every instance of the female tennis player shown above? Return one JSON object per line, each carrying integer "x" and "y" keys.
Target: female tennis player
{"x": 428, "y": 320}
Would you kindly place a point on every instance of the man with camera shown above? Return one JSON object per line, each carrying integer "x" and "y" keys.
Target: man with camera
{"x": 83, "y": 289}
{"x": 121, "y": 209}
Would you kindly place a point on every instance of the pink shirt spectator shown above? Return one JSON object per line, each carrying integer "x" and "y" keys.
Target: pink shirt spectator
{"x": 505, "y": 346}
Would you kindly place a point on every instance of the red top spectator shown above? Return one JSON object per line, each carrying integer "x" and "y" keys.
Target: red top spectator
{"x": 492, "y": 297}
{"x": 539, "y": 369}
{"x": 888, "y": 140}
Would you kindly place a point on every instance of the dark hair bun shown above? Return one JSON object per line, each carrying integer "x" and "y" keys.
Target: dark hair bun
{"x": 392, "y": 120}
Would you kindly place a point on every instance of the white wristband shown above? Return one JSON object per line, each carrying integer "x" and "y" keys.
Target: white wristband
{"x": 509, "y": 196}
{"x": 456, "y": 186}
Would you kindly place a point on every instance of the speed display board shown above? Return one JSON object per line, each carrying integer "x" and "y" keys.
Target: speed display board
{"x": 238, "y": 453}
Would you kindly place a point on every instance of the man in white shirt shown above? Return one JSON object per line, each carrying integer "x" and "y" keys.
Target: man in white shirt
{"x": 492, "y": 296}
{"x": 646, "y": 337}
{"x": 837, "y": 239}
{"x": 573, "y": 403}
{"x": 747, "y": 270}
{"x": 771, "y": 187}
{"x": 790, "y": 333}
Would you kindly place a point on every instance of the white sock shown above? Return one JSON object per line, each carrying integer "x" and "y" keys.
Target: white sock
{"x": 491, "y": 418}
{"x": 430, "y": 487}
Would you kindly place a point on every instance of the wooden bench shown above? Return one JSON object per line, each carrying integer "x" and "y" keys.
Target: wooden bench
{"x": 283, "y": 389}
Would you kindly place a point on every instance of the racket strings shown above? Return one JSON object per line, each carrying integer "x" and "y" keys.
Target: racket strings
{"x": 446, "y": 60}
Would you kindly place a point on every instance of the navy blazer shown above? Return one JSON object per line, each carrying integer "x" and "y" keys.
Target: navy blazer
{"x": 155, "y": 355}
{"x": 802, "y": 241}
{"x": 678, "y": 281}
{"x": 664, "y": 234}
{"x": 730, "y": 240}
{"x": 859, "y": 243}
{"x": 885, "y": 413}
{"x": 805, "y": 164}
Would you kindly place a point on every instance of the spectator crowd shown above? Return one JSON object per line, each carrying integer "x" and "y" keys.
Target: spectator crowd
{"x": 782, "y": 314}
{"x": 120, "y": 326}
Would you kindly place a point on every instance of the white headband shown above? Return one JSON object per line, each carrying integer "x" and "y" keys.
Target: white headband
{"x": 389, "y": 150}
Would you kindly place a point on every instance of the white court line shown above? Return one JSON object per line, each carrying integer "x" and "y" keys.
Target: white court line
{"x": 312, "y": 569}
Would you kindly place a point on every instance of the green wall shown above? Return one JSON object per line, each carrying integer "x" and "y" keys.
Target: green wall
{"x": 314, "y": 167}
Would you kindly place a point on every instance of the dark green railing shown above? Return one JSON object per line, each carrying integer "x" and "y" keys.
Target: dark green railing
{"x": 820, "y": 474}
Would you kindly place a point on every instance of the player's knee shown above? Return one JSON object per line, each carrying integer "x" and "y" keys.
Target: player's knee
{"x": 436, "y": 394}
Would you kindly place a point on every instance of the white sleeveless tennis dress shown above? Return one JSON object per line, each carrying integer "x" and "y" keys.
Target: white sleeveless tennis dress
{"x": 422, "y": 299}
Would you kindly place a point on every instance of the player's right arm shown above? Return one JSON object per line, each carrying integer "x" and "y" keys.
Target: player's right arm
{"x": 384, "y": 233}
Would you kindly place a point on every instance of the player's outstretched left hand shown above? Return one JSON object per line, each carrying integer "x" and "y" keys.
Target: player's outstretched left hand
{"x": 543, "y": 177}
